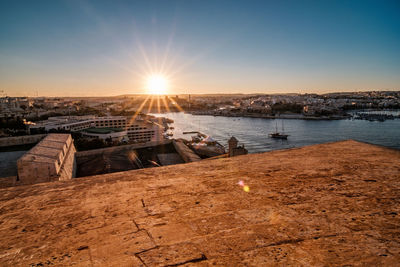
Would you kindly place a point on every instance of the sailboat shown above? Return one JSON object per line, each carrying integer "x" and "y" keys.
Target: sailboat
{"x": 277, "y": 134}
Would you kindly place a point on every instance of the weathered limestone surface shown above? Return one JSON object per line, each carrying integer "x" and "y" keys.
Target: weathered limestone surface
{"x": 334, "y": 204}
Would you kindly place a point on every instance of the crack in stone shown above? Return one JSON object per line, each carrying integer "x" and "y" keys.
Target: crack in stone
{"x": 137, "y": 226}
{"x": 202, "y": 258}
{"x": 144, "y": 264}
{"x": 298, "y": 240}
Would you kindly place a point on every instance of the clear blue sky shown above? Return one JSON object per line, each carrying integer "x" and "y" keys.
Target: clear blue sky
{"x": 66, "y": 48}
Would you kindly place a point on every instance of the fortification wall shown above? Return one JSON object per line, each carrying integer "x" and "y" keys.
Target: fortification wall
{"x": 68, "y": 169}
{"x": 120, "y": 148}
{"x": 333, "y": 204}
{"x": 35, "y": 172}
{"x": 21, "y": 140}
{"x": 52, "y": 159}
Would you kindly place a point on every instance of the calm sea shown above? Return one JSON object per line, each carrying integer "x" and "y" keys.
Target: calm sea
{"x": 253, "y": 133}
{"x": 8, "y": 163}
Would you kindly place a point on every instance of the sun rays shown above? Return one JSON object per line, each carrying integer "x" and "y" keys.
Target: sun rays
{"x": 156, "y": 70}
{"x": 155, "y": 103}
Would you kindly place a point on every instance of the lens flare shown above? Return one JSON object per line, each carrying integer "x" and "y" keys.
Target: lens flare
{"x": 246, "y": 188}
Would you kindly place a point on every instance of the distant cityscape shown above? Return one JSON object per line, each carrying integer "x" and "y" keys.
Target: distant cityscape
{"x": 19, "y": 114}
{"x": 140, "y": 128}
{"x": 99, "y": 122}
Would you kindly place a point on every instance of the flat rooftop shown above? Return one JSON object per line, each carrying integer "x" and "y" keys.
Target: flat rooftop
{"x": 61, "y": 120}
{"x": 57, "y": 137}
{"x": 333, "y": 204}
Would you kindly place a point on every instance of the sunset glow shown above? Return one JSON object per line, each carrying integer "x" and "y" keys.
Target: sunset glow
{"x": 186, "y": 49}
{"x": 157, "y": 85}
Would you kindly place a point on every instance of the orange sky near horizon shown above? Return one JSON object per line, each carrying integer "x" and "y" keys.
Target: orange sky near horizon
{"x": 109, "y": 48}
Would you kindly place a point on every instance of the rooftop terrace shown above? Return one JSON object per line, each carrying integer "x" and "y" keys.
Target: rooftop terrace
{"x": 331, "y": 204}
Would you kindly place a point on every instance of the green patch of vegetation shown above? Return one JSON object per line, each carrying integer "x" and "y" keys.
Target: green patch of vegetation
{"x": 105, "y": 130}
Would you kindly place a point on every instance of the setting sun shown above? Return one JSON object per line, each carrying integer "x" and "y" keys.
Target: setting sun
{"x": 157, "y": 85}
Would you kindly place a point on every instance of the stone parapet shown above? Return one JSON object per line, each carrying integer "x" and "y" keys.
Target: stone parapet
{"x": 21, "y": 140}
{"x": 334, "y": 204}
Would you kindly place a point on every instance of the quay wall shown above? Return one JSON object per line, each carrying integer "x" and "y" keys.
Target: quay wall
{"x": 21, "y": 140}
{"x": 185, "y": 152}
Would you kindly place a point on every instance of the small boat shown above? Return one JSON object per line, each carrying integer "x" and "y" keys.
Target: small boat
{"x": 205, "y": 146}
{"x": 278, "y": 135}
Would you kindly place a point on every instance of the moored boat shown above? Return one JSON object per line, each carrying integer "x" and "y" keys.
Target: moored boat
{"x": 278, "y": 135}
{"x": 206, "y": 146}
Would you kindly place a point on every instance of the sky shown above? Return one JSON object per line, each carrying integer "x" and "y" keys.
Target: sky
{"x": 104, "y": 48}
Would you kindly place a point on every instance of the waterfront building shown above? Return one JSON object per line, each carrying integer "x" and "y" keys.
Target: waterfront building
{"x": 116, "y": 127}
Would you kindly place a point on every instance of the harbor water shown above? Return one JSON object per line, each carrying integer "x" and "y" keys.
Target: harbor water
{"x": 8, "y": 162}
{"x": 253, "y": 132}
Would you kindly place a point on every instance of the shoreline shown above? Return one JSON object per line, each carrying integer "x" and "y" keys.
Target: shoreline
{"x": 264, "y": 116}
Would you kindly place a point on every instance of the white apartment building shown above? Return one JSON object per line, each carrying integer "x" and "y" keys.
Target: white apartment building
{"x": 138, "y": 130}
